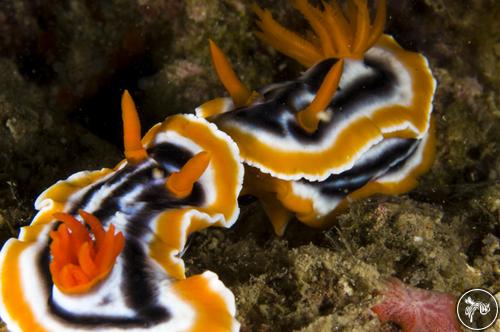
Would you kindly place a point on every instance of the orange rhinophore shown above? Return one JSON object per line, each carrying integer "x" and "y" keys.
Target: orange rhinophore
{"x": 237, "y": 90}
{"x": 181, "y": 183}
{"x": 134, "y": 151}
{"x": 339, "y": 33}
{"x": 309, "y": 117}
{"x": 81, "y": 259}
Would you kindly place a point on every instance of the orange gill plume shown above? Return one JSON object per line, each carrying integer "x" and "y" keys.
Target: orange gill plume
{"x": 339, "y": 33}
{"x": 134, "y": 151}
{"x": 81, "y": 259}
{"x": 181, "y": 183}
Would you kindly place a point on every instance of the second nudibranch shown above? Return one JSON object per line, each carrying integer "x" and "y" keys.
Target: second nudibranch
{"x": 357, "y": 122}
{"x": 104, "y": 251}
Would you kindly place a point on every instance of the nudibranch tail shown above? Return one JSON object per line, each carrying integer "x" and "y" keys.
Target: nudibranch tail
{"x": 339, "y": 34}
{"x": 78, "y": 261}
{"x": 309, "y": 118}
{"x": 237, "y": 90}
{"x": 134, "y": 151}
{"x": 277, "y": 214}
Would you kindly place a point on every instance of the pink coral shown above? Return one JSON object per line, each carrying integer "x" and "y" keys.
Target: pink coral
{"x": 417, "y": 310}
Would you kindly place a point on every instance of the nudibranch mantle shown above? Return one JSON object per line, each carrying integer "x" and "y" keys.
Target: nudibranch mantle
{"x": 387, "y": 94}
{"x": 146, "y": 290}
{"x": 374, "y": 173}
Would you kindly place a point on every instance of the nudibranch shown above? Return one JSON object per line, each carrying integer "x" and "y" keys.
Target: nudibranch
{"x": 357, "y": 122}
{"x": 104, "y": 251}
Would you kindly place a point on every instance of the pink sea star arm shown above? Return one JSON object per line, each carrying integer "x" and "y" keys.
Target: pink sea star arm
{"x": 417, "y": 310}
